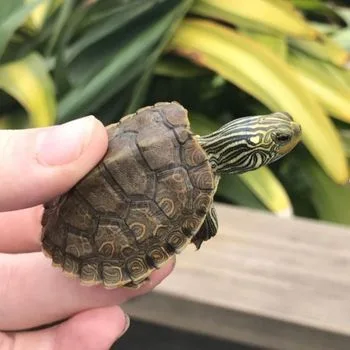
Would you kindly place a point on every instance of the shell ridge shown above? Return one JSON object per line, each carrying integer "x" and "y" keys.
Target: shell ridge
{"x": 143, "y": 156}
{"x": 111, "y": 180}
{"x": 86, "y": 202}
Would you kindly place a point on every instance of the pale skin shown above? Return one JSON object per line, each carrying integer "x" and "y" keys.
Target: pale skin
{"x": 37, "y": 165}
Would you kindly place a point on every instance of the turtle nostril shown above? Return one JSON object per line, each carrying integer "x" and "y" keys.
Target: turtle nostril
{"x": 297, "y": 128}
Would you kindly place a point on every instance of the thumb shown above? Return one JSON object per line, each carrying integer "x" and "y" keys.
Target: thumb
{"x": 39, "y": 164}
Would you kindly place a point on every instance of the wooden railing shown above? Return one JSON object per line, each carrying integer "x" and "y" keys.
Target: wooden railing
{"x": 272, "y": 282}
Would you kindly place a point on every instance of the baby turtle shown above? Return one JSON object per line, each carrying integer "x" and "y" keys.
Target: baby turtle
{"x": 152, "y": 193}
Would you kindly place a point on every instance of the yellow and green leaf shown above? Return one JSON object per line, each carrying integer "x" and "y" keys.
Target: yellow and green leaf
{"x": 28, "y": 81}
{"x": 12, "y": 15}
{"x": 39, "y": 14}
{"x": 326, "y": 82}
{"x": 266, "y": 186}
{"x": 255, "y": 69}
{"x": 324, "y": 49}
{"x": 276, "y": 16}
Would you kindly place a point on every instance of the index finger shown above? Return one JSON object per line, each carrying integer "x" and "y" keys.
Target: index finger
{"x": 35, "y": 293}
{"x": 20, "y": 230}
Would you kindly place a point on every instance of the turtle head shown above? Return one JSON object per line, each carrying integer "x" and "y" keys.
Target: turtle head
{"x": 248, "y": 143}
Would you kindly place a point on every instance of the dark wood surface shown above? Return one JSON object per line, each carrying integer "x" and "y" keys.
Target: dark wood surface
{"x": 274, "y": 282}
{"x": 149, "y": 336}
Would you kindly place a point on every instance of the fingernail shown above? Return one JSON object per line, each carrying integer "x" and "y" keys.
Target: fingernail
{"x": 126, "y": 326}
{"x": 62, "y": 144}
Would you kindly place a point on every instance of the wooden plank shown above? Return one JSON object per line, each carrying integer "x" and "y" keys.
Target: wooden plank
{"x": 274, "y": 282}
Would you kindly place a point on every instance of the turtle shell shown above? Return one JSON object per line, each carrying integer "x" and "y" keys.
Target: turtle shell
{"x": 142, "y": 203}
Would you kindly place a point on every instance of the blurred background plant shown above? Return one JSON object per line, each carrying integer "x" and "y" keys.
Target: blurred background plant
{"x": 62, "y": 59}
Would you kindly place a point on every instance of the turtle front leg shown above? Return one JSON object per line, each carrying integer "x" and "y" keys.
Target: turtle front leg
{"x": 208, "y": 229}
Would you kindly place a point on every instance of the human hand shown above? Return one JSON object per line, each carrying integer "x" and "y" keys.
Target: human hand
{"x": 36, "y": 166}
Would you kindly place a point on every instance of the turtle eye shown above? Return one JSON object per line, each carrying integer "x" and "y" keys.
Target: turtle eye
{"x": 283, "y": 137}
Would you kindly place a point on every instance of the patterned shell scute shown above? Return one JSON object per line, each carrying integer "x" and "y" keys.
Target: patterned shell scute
{"x": 134, "y": 178}
{"x": 174, "y": 192}
{"x": 104, "y": 195}
{"x": 143, "y": 203}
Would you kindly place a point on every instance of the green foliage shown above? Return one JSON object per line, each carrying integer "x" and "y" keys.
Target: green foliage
{"x": 97, "y": 53}
{"x": 22, "y": 78}
{"x": 62, "y": 59}
{"x": 12, "y": 16}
